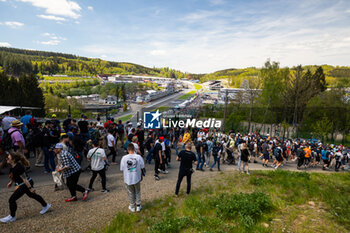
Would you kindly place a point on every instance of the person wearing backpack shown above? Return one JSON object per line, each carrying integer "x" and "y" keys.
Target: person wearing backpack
{"x": 148, "y": 144}
{"x": 26, "y": 120}
{"x": 120, "y": 131}
{"x": 301, "y": 156}
{"x": 325, "y": 156}
{"x": 17, "y": 142}
{"x": 216, "y": 152}
{"x": 47, "y": 143}
{"x": 279, "y": 156}
{"x": 200, "y": 155}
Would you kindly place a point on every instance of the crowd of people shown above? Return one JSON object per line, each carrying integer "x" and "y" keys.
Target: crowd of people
{"x": 66, "y": 149}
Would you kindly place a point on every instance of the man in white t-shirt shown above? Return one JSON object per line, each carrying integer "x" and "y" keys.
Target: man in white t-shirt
{"x": 98, "y": 159}
{"x": 133, "y": 166}
{"x": 112, "y": 145}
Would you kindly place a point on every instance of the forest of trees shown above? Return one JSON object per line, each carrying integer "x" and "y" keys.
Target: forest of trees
{"x": 22, "y": 91}
{"x": 295, "y": 97}
{"x": 20, "y": 61}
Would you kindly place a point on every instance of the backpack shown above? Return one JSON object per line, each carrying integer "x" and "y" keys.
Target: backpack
{"x": 277, "y": 152}
{"x": 205, "y": 146}
{"x": 120, "y": 128}
{"x": 6, "y": 142}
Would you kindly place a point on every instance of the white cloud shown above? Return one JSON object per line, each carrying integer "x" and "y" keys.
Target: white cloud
{"x": 12, "y": 24}
{"x": 90, "y": 8}
{"x": 158, "y": 52}
{"x": 51, "y": 17}
{"x": 2, "y": 0}
{"x": 348, "y": 11}
{"x": 5, "y": 44}
{"x": 54, "y": 39}
{"x": 103, "y": 56}
{"x": 63, "y": 8}
{"x": 50, "y": 42}
{"x": 217, "y": 2}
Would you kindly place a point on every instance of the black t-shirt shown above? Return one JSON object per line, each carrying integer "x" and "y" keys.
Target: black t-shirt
{"x": 198, "y": 146}
{"x": 16, "y": 172}
{"x": 130, "y": 136}
{"x": 140, "y": 135}
{"x": 83, "y": 126}
{"x": 46, "y": 137}
{"x": 187, "y": 157}
{"x": 157, "y": 148}
{"x": 148, "y": 143}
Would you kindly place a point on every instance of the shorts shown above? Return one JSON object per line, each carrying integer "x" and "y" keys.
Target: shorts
{"x": 325, "y": 161}
{"x": 266, "y": 156}
{"x": 318, "y": 159}
{"x": 279, "y": 158}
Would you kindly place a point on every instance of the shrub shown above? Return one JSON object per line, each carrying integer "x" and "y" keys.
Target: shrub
{"x": 245, "y": 207}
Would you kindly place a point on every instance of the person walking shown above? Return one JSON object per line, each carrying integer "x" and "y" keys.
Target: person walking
{"x": 23, "y": 185}
{"x": 186, "y": 158}
{"x": 112, "y": 145}
{"x": 47, "y": 142}
{"x": 18, "y": 142}
{"x": 244, "y": 157}
{"x": 132, "y": 166}
{"x": 158, "y": 157}
{"x": 98, "y": 159}
{"x": 200, "y": 155}
{"x": 71, "y": 171}
{"x": 216, "y": 151}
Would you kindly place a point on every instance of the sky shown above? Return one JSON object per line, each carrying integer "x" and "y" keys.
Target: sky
{"x": 197, "y": 36}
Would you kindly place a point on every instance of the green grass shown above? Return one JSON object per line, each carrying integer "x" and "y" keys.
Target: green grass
{"x": 265, "y": 201}
{"x": 161, "y": 109}
{"x": 198, "y": 86}
{"x": 125, "y": 118}
{"x": 187, "y": 95}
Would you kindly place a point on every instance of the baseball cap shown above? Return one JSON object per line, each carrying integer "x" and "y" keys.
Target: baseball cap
{"x": 161, "y": 138}
{"x": 53, "y": 116}
{"x": 59, "y": 146}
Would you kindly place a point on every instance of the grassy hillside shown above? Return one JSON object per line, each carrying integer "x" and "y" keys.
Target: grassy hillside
{"x": 265, "y": 201}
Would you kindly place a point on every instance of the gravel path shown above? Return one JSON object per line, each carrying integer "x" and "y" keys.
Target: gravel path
{"x": 99, "y": 209}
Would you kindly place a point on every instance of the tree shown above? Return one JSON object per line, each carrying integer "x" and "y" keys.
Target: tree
{"x": 322, "y": 127}
{"x": 273, "y": 82}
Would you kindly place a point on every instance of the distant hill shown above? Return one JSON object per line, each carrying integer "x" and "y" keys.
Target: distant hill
{"x": 22, "y": 61}
{"x": 335, "y": 76}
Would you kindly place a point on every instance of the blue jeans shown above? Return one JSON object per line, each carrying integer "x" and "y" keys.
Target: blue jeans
{"x": 239, "y": 162}
{"x": 216, "y": 159}
{"x": 176, "y": 149}
{"x": 201, "y": 160}
{"x": 49, "y": 157}
{"x": 149, "y": 156}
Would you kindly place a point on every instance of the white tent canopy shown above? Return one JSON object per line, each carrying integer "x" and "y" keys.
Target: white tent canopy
{"x": 4, "y": 109}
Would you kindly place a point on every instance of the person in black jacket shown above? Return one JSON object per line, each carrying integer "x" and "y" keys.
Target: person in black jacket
{"x": 78, "y": 145}
{"x": 47, "y": 143}
{"x": 186, "y": 158}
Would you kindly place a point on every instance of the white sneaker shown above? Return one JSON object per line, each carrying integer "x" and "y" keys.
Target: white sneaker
{"x": 165, "y": 172}
{"x": 8, "y": 219}
{"x": 131, "y": 208}
{"x": 45, "y": 209}
{"x": 248, "y": 173}
{"x": 138, "y": 208}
